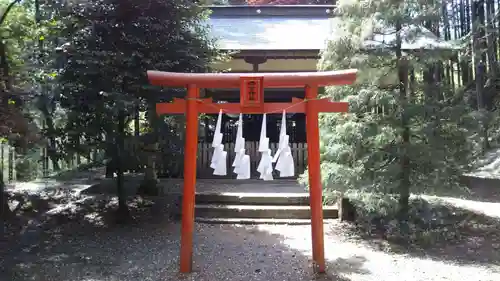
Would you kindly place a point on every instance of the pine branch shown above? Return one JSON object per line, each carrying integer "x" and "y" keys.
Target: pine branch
{"x": 387, "y": 163}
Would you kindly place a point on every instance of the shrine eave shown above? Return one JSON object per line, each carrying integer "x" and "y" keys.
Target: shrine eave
{"x": 276, "y": 54}
{"x": 271, "y": 10}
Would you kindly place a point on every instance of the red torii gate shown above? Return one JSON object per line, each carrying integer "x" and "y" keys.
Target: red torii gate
{"x": 252, "y": 102}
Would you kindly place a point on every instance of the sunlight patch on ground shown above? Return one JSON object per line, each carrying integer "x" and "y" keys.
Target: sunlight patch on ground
{"x": 489, "y": 166}
{"x": 95, "y": 218}
{"x": 491, "y": 209}
{"x": 33, "y": 187}
{"x": 359, "y": 262}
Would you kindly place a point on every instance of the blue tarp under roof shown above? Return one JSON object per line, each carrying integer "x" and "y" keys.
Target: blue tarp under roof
{"x": 271, "y": 33}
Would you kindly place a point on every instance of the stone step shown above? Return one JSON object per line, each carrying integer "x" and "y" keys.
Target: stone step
{"x": 245, "y": 198}
{"x": 260, "y": 211}
{"x": 250, "y": 221}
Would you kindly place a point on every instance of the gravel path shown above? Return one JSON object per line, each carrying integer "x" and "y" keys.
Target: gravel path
{"x": 226, "y": 252}
{"x": 149, "y": 251}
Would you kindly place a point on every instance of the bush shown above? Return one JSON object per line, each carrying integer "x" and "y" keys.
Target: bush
{"x": 28, "y": 167}
{"x": 428, "y": 222}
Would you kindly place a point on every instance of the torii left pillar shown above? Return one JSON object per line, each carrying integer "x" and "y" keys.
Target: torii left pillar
{"x": 192, "y": 106}
{"x": 190, "y": 151}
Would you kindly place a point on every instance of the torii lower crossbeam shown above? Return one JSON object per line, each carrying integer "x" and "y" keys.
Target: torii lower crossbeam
{"x": 253, "y": 84}
{"x": 178, "y": 106}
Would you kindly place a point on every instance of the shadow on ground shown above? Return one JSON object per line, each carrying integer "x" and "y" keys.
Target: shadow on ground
{"x": 77, "y": 239}
{"x": 482, "y": 189}
{"x": 485, "y": 190}
{"x": 42, "y": 216}
{"x": 437, "y": 229}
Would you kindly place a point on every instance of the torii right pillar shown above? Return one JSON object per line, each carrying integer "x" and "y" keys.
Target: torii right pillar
{"x": 315, "y": 188}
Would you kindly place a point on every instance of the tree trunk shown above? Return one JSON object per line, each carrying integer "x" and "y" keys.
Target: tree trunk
{"x": 4, "y": 63}
{"x": 123, "y": 213}
{"x": 477, "y": 46}
{"x": 110, "y": 155}
{"x": 483, "y": 119}
{"x": 465, "y": 23}
{"x": 137, "y": 129}
{"x": 404, "y": 181}
{"x": 51, "y": 136}
{"x": 4, "y": 201}
{"x": 491, "y": 38}
{"x": 78, "y": 150}
{"x": 4, "y": 67}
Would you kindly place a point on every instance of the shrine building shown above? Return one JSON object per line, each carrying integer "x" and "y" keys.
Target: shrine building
{"x": 263, "y": 39}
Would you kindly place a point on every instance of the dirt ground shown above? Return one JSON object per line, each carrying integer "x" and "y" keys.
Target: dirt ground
{"x": 73, "y": 241}
{"x": 149, "y": 251}
{"x": 225, "y": 252}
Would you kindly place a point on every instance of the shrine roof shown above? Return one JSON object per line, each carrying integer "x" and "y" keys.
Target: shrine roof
{"x": 297, "y": 28}
{"x": 271, "y": 27}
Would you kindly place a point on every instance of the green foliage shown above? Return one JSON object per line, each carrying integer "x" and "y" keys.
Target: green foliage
{"x": 29, "y": 166}
{"x": 363, "y": 148}
{"x": 77, "y": 64}
{"x": 18, "y": 34}
{"x": 429, "y": 221}
{"x": 115, "y": 43}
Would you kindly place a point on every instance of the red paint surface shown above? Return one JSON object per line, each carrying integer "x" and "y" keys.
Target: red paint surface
{"x": 178, "y": 106}
{"x": 271, "y": 80}
{"x": 315, "y": 189}
{"x": 188, "y": 198}
{"x": 249, "y": 97}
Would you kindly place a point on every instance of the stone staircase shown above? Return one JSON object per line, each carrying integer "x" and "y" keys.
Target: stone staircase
{"x": 230, "y": 201}
{"x": 257, "y": 208}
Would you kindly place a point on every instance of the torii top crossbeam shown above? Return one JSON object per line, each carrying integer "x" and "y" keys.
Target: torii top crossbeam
{"x": 252, "y": 90}
{"x": 271, "y": 80}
